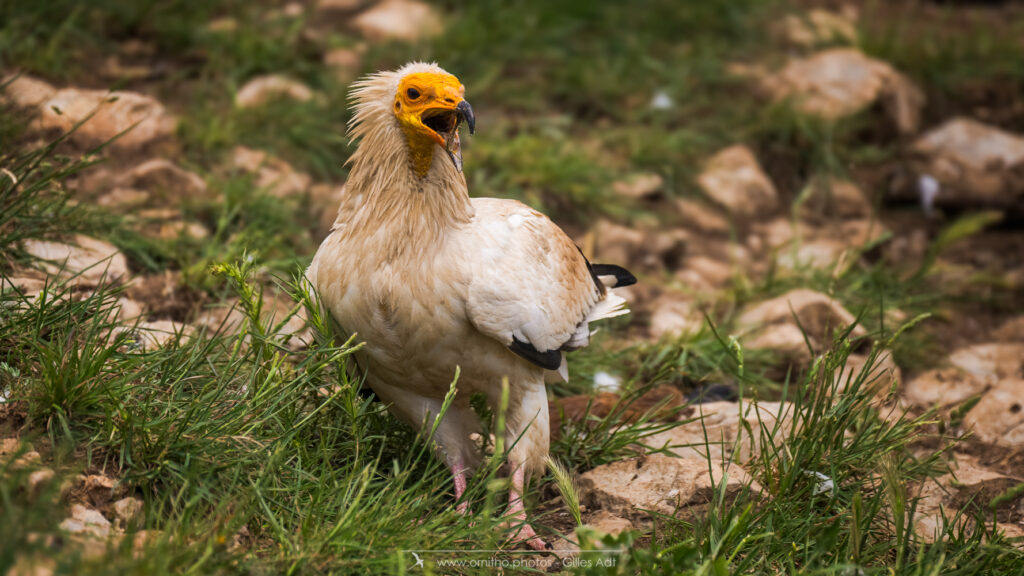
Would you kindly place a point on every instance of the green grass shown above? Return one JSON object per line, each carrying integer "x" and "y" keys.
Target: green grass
{"x": 247, "y": 437}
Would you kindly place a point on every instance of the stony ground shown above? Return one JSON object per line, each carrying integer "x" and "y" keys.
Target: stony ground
{"x": 824, "y": 368}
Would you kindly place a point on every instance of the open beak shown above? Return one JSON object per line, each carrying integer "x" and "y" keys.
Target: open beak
{"x": 445, "y": 124}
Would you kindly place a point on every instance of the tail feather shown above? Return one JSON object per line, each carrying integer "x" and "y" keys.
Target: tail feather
{"x": 610, "y": 306}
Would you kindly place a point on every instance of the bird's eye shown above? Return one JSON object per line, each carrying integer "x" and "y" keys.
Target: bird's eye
{"x": 413, "y": 93}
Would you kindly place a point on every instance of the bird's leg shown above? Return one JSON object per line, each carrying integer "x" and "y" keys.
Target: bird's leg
{"x": 459, "y": 476}
{"x": 517, "y": 512}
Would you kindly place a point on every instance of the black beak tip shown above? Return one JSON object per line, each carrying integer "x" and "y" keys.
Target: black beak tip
{"x": 467, "y": 114}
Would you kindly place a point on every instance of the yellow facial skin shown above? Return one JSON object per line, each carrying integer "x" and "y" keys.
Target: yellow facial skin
{"x": 419, "y": 96}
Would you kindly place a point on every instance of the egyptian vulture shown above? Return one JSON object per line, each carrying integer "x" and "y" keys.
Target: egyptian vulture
{"x": 431, "y": 279}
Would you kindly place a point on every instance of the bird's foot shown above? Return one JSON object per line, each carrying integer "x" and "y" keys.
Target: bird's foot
{"x": 523, "y": 533}
{"x": 463, "y": 508}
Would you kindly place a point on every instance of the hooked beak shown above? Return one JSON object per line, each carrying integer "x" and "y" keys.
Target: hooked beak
{"x": 452, "y": 145}
{"x": 466, "y": 111}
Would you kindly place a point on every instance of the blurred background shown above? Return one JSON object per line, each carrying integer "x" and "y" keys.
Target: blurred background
{"x": 769, "y": 169}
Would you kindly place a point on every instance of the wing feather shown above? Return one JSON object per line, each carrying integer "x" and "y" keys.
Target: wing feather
{"x": 531, "y": 288}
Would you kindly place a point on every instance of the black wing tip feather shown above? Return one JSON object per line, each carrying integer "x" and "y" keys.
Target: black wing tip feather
{"x": 550, "y": 360}
{"x": 622, "y": 276}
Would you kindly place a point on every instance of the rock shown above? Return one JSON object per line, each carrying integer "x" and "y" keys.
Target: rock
{"x": 638, "y": 249}
{"x": 161, "y": 295}
{"x": 817, "y": 313}
{"x": 161, "y": 176}
{"x": 124, "y": 198}
{"x": 262, "y": 89}
{"x": 834, "y": 198}
{"x": 726, "y": 433}
{"x": 9, "y": 446}
{"x": 972, "y": 163}
{"x": 126, "y": 511}
{"x": 86, "y": 521}
{"x": 991, "y": 363}
{"x": 841, "y": 82}
{"x": 673, "y": 317}
{"x": 1011, "y": 330}
{"x": 785, "y": 341}
{"x": 945, "y": 387}
{"x": 345, "y": 63}
{"x": 818, "y": 27}
{"x": 25, "y": 91}
{"x": 608, "y": 523}
{"x": 32, "y": 565}
{"x": 272, "y": 174}
{"x": 701, "y": 218}
{"x": 30, "y": 459}
{"x": 224, "y": 25}
{"x": 181, "y": 228}
{"x": 229, "y": 318}
{"x": 28, "y": 282}
{"x": 638, "y": 186}
{"x": 884, "y": 373}
{"x": 342, "y": 7}
{"x": 38, "y": 479}
{"x": 999, "y": 417}
{"x": 733, "y": 179}
{"x": 87, "y": 259}
{"x": 967, "y": 483}
{"x": 403, "y": 20}
{"x": 658, "y": 483}
{"x": 145, "y": 119}
{"x": 157, "y": 334}
{"x": 705, "y": 273}
{"x": 658, "y": 403}
{"x": 128, "y": 310}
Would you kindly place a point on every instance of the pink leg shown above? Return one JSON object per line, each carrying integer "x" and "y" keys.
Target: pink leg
{"x": 459, "y": 476}
{"x": 517, "y": 511}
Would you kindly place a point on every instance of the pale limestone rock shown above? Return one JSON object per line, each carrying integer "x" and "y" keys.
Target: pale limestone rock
{"x": 128, "y": 310}
{"x": 160, "y": 175}
{"x": 124, "y": 198}
{"x": 785, "y": 341}
{"x": 817, "y": 27}
{"x": 721, "y": 424}
{"x": 991, "y": 363}
{"x": 943, "y": 387}
{"x": 840, "y": 82}
{"x": 702, "y": 218}
{"x": 1011, "y": 330}
{"x": 829, "y": 197}
{"x": 262, "y": 89}
{"x": 709, "y": 272}
{"x": 25, "y": 91}
{"x": 999, "y": 417}
{"x": 156, "y": 334}
{"x": 404, "y": 20}
{"x": 126, "y": 510}
{"x": 638, "y": 249}
{"x": 345, "y": 63}
{"x": 967, "y": 481}
{"x": 86, "y": 521}
{"x": 733, "y": 179}
{"x": 144, "y": 118}
{"x": 819, "y": 314}
{"x": 659, "y": 483}
{"x": 39, "y": 478}
{"x": 639, "y": 186}
{"x": 90, "y": 259}
{"x": 974, "y": 164}
{"x": 608, "y": 523}
{"x": 272, "y": 174}
{"x": 673, "y": 316}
